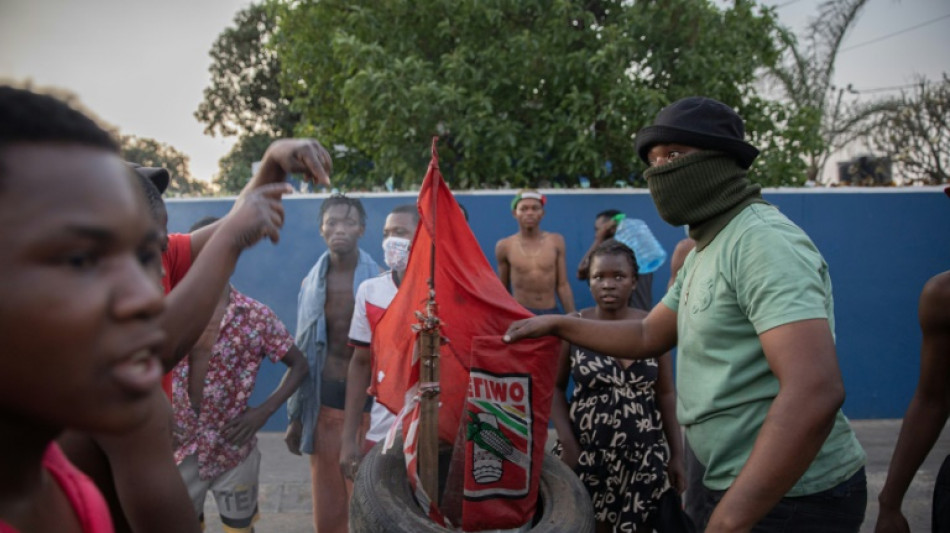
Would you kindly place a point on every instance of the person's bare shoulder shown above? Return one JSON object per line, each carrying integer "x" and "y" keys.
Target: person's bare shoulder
{"x": 682, "y": 249}
{"x": 938, "y": 286}
{"x": 556, "y": 238}
{"x": 502, "y": 245}
{"x": 935, "y": 301}
{"x": 635, "y": 314}
{"x": 587, "y": 312}
{"x": 680, "y": 252}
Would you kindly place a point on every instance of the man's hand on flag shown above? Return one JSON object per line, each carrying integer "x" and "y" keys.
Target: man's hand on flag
{"x": 532, "y": 328}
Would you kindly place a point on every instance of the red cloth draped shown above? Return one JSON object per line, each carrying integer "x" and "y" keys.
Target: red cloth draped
{"x": 471, "y": 302}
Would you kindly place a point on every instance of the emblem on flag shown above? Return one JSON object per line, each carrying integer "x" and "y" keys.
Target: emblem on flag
{"x": 500, "y": 433}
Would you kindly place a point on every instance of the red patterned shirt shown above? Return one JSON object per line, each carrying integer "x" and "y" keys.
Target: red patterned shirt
{"x": 250, "y": 331}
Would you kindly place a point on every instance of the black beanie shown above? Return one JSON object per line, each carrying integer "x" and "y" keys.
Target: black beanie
{"x": 701, "y": 123}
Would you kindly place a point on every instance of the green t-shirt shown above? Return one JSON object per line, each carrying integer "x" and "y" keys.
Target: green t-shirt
{"x": 759, "y": 272}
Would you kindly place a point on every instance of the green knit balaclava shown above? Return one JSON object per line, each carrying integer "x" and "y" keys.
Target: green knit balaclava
{"x": 698, "y": 187}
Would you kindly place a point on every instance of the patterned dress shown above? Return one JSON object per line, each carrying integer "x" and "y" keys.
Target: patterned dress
{"x": 623, "y": 454}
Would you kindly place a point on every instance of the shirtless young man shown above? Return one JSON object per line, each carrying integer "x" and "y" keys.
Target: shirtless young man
{"x": 324, "y": 310}
{"x": 531, "y": 262}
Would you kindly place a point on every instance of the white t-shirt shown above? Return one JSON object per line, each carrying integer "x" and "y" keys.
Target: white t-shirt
{"x": 373, "y": 298}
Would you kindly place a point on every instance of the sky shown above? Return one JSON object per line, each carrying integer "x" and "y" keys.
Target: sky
{"x": 142, "y": 65}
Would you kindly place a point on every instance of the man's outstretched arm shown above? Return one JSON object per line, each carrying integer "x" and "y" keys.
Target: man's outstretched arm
{"x": 624, "y": 339}
{"x": 293, "y": 156}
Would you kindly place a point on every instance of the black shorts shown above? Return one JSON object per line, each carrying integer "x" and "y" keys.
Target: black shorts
{"x": 333, "y": 395}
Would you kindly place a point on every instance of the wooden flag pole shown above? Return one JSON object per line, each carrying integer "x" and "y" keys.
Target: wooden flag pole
{"x": 429, "y": 340}
{"x": 428, "y": 449}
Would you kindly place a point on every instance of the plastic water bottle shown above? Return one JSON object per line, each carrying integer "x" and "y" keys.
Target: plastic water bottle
{"x": 637, "y": 235}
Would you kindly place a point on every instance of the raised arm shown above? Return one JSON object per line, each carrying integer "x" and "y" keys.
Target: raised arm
{"x": 679, "y": 257}
{"x": 189, "y": 306}
{"x": 583, "y": 268}
{"x": 283, "y": 157}
{"x": 293, "y": 156}
{"x": 624, "y": 339}
{"x": 929, "y": 408}
{"x": 802, "y": 357}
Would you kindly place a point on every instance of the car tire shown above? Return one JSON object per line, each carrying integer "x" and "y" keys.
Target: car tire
{"x": 382, "y": 501}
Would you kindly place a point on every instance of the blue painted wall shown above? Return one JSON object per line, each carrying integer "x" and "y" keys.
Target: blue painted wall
{"x": 881, "y": 245}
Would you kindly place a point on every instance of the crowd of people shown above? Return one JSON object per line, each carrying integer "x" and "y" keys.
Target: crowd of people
{"x": 129, "y": 359}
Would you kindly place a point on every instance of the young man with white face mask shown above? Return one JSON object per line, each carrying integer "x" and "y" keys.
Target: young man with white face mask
{"x": 372, "y": 299}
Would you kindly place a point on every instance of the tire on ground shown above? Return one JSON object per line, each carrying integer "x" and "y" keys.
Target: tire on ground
{"x": 382, "y": 501}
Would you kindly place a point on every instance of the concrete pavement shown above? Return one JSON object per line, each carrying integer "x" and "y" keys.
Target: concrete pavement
{"x": 285, "y": 481}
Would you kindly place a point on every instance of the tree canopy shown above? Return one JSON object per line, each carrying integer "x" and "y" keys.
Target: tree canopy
{"x": 530, "y": 92}
{"x": 244, "y": 96}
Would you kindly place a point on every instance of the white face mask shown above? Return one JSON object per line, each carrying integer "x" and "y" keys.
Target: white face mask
{"x": 396, "y": 252}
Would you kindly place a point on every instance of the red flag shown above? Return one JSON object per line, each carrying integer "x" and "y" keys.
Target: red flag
{"x": 509, "y": 400}
{"x": 471, "y": 302}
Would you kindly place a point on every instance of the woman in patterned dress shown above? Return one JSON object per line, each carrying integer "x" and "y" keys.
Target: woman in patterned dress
{"x": 619, "y": 433}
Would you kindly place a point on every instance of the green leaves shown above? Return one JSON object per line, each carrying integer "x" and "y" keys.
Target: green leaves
{"x": 521, "y": 92}
{"x": 245, "y": 96}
